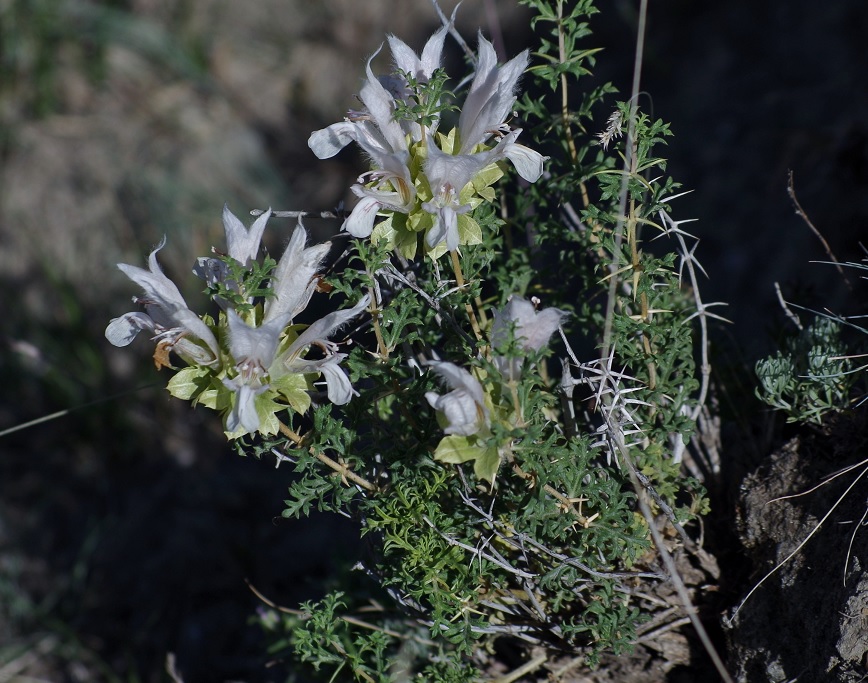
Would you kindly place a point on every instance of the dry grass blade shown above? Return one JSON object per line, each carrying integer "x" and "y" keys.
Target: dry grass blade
{"x": 796, "y": 550}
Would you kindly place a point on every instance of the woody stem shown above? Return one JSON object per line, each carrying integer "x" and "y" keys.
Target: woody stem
{"x": 343, "y": 470}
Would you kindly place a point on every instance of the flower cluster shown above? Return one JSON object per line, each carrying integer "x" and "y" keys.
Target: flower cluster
{"x": 424, "y": 182}
{"x": 252, "y": 361}
{"x": 469, "y": 409}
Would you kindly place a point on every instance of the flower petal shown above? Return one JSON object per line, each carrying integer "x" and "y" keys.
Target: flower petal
{"x": 460, "y": 410}
{"x": 243, "y": 413}
{"x": 459, "y": 378}
{"x": 293, "y": 279}
{"x": 243, "y": 244}
{"x": 437, "y": 233}
{"x": 432, "y": 53}
{"x": 322, "y": 329}
{"x": 360, "y": 223}
{"x": 449, "y": 218}
{"x": 528, "y": 162}
{"x": 327, "y": 142}
{"x": 338, "y": 386}
{"x": 491, "y": 95}
{"x": 532, "y": 330}
{"x": 157, "y": 286}
{"x": 544, "y": 326}
{"x": 121, "y": 331}
{"x": 212, "y": 270}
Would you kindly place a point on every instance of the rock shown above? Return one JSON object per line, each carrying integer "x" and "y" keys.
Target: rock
{"x": 808, "y": 620}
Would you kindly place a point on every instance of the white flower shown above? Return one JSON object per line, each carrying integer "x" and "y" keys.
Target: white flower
{"x": 483, "y": 115}
{"x": 487, "y": 105}
{"x": 173, "y": 324}
{"x": 390, "y": 144}
{"x": 254, "y": 349}
{"x": 292, "y": 281}
{"x": 375, "y": 128}
{"x": 382, "y": 138}
{"x": 464, "y": 406}
{"x": 447, "y": 175}
{"x": 532, "y": 330}
{"x": 339, "y": 389}
{"x": 242, "y": 244}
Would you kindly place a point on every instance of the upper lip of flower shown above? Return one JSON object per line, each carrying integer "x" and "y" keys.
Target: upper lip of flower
{"x": 491, "y": 95}
{"x": 292, "y": 281}
{"x": 167, "y": 313}
{"x": 254, "y": 348}
{"x": 422, "y": 68}
{"x": 532, "y": 330}
{"x": 243, "y": 243}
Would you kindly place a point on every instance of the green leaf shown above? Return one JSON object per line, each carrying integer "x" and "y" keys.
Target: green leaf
{"x": 384, "y": 230}
{"x": 189, "y": 382}
{"x": 210, "y": 398}
{"x": 449, "y": 143}
{"x": 469, "y": 231}
{"x": 293, "y": 388}
{"x": 420, "y": 221}
{"x": 458, "y": 449}
{"x": 406, "y": 243}
{"x": 487, "y": 464}
{"x": 487, "y": 193}
{"x": 487, "y": 177}
{"x": 267, "y": 409}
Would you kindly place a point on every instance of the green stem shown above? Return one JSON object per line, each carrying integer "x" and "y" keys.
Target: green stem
{"x": 459, "y": 280}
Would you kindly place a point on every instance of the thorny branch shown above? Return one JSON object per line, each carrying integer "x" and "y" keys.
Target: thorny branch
{"x": 614, "y": 428}
{"x": 517, "y": 540}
